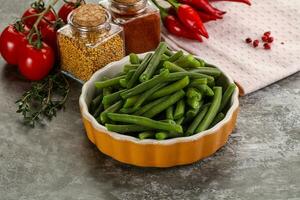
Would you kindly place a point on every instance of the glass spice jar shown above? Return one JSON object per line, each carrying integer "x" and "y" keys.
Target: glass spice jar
{"x": 89, "y": 41}
{"x": 141, "y": 23}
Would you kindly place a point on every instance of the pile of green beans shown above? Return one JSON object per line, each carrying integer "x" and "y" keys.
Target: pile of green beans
{"x": 164, "y": 95}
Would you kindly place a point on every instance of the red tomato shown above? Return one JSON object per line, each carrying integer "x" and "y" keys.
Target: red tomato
{"x": 65, "y": 10}
{"x": 35, "y": 64}
{"x": 26, "y": 30}
{"x": 10, "y": 41}
{"x": 50, "y": 16}
{"x": 49, "y": 37}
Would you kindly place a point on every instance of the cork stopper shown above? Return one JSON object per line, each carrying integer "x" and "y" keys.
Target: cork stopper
{"x": 89, "y": 15}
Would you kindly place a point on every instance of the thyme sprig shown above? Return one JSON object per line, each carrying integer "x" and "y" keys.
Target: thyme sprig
{"x": 44, "y": 99}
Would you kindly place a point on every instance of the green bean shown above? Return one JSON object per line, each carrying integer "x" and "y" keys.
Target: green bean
{"x": 169, "y": 52}
{"x": 193, "y": 126}
{"x": 131, "y": 101}
{"x": 209, "y": 92}
{"x": 147, "y": 107}
{"x": 202, "y": 62}
{"x": 147, "y": 94}
{"x": 175, "y": 56}
{"x": 161, "y": 135}
{"x": 169, "y": 89}
{"x": 209, "y": 65}
{"x": 205, "y": 90}
{"x": 165, "y": 135}
{"x": 199, "y": 81}
{"x": 173, "y": 67}
{"x": 194, "y": 102}
{"x": 192, "y": 112}
{"x": 106, "y": 91}
{"x": 164, "y": 105}
{"x": 139, "y": 70}
{"x": 108, "y": 83}
{"x": 208, "y": 71}
{"x": 128, "y": 128}
{"x": 179, "y": 75}
{"x": 169, "y": 113}
{"x": 95, "y": 103}
{"x": 220, "y": 116}
{"x": 152, "y": 66}
{"x": 164, "y": 57}
{"x": 129, "y": 67}
{"x": 112, "y": 98}
{"x": 227, "y": 96}
{"x": 99, "y": 109}
{"x": 160, "y": 67}
{"x": 179, "y": 111}
{"x": 146, "y": 135}
{"x": 134, "y": 59}
{"x": 130, "y": 74}
{"x": 146, "y": 85}
{"x": 213, "y": 110}
{"x": 128, "y": 110}
{"x": 188, "y": 61}
{"x": 123, "y": 82}
{"x": 113, "y": 108}
{"x": 144, "y": 121}
{"x": 180, "y": 120}
{"x": 159, "y": 71}
{"x": 169, "y": 121}
{"x": 192, "y": 92}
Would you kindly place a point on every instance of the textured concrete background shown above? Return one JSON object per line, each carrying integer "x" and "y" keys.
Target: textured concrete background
{"x": 57, "y": 162}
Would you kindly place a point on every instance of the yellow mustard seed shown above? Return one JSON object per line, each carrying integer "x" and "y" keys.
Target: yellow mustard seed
{"x": 84, "y": 50}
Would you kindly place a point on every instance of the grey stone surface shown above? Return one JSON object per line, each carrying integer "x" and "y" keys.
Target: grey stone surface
{"x": 57, "y": 162}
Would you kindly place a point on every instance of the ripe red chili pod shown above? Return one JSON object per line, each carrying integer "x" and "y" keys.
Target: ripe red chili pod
{"x": 189, "y": 17}
{"x": 205, "y": 6}
{"x": 173, "y": 24}
{"x": 240, "y": 1}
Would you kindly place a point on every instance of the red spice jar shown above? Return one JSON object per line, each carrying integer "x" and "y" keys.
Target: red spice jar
{"x": 141, "y": 23}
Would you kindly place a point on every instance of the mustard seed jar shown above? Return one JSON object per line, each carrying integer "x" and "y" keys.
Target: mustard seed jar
{"x": 89, "y": 41}
{"x": 141, "y": 23}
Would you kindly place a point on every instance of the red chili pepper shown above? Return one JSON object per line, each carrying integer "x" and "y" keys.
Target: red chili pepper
{"x": 190, "y": 18}
{"x": 239, "y": 1}
{"x": 174, "y": 26}
{"x": 203, "y": 5}
{"x": 220, "y": 12}
{"x": 207, "y": 17}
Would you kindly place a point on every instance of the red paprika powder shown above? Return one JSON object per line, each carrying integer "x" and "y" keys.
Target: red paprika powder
{"x": 141, "y": 23}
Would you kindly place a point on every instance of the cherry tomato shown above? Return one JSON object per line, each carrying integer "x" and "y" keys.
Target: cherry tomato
{"x": 26, "y": 30}
{"x": 10, "y": 41}
{"x": 35, "y": 64}
{"x": 49, "y": 16}
{"x": 49, "y": 36}
{"x": 65, "y": 10}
